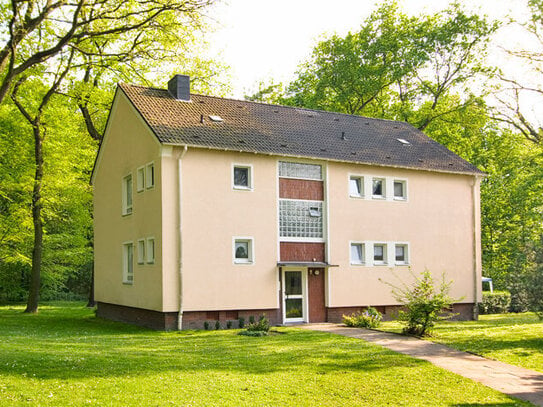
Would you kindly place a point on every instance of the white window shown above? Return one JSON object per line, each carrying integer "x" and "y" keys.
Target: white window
{"x": 379, "y": 253}
{"x": 140, "y": 179}
{"x": 243, "y": 250}
{"x": 242, "y": 177}
{"x": 357, "y": 253}
{"x": 141, "y": 251}
{"x": 128, "y": 263}
{"x": 378, "y": 188}
{"x": 127, "y": 195}
{"x": 150, "y": 175}
{"x": 401, "y": 253}
{"x": 150, "y": 250}
{"x": 356, "y": 186}
{"x": 400, "y": 189}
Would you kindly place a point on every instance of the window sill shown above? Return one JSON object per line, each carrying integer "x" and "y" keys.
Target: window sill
{"x": 127, "y": 214}
{"x": 243, "y": 262}
{"x": 356, "y": 196}
{"x": 151, "y": 262}
{"x": 151, "y": 187}
{"x": 379, "y": 197}
{"x": 128, "y": 283}
{"x": 240, "y": 188}
{"x": 401, "y": 263}
{"x": 358, "y": 264}
{"x": 396, "y": 198}
{"x": 141, "y": 263}
{"x": 380, "y": 263}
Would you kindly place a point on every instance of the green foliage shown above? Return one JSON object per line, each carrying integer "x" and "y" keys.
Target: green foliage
{"x": 497, "y": 302}
{"x": 241, "y": 322}
{"x": 228, "y": 324}
{"x": 217, "y": 325}
{"x": 206, "y": 325}
{"x": 246, "y": 332}
{"x": 263, "y": 325}
{"x": 370, "y": 318}
{"x": 534, "y": 284}
{"x": 423, "y": 303}
{"x": 251, "y": 319}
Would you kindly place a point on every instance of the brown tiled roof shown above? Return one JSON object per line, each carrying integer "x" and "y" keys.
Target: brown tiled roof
{"x": 289, "y": 131}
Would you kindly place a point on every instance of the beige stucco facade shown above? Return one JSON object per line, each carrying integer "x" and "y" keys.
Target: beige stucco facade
{"x": 194, "y": 213}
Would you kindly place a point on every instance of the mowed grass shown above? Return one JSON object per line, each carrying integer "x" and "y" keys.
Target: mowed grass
{"x": 511, "y": 338}
{"x": 65, "y": 356}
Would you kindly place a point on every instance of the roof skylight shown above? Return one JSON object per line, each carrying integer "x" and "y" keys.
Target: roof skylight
{"x": 215, "y": 118}
{"x": 404, "y": 141}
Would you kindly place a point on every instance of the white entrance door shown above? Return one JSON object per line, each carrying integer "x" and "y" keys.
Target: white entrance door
{"x": 293, "y": 296}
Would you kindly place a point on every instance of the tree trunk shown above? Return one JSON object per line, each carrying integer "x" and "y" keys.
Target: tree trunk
{"x": 34, "y": 291}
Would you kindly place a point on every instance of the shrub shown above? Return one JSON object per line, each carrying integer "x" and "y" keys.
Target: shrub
{"x": 252, "y": 333}
{"x": 424, "y": 305}
{"x": 497, "y": 302}
{"x": 263, "y": 325}
{"x": 241, "y": 322}
{"x": 370, "y": 318}
{"x": 228, "y": 324}
{"x": 206, "y": 325}
{"x": 534, "y": 281}
{"x": 252, "y": 319}
{"x": 217, "y": 325}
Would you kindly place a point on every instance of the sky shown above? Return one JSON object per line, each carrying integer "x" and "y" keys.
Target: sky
{"x": 262, "y": 40}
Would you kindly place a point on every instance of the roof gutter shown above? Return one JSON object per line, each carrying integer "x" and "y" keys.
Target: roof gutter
{"x": 180, "y": 156}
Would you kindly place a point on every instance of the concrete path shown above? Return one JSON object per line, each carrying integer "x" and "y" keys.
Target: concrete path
{"x": 511, "y": 380}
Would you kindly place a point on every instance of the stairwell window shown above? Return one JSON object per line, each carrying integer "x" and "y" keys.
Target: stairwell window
{"x": 128, "y": 263}
{"x": 127, "y": 195}
{"x": 140, "y": 179}
{"x": 141, "y": 251}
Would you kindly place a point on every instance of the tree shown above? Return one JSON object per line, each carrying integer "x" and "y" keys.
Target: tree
{"x": 396, "y": 67}
{"x": 51, "y": 45}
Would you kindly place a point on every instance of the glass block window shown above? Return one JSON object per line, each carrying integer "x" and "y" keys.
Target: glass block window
{"x": 300, "y": 218}
{"x": 300, "y": 170}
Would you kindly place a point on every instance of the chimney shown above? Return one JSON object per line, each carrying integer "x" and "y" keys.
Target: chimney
{"x": 179, "y": 87}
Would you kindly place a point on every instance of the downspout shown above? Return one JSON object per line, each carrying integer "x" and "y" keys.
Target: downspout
{"x": 475, "y": 210}
{"x": 180, "y": 231}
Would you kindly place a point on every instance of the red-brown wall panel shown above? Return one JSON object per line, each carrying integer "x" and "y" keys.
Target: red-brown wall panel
{"x": 300, "y": 251}
{"x": 301, "y": 189}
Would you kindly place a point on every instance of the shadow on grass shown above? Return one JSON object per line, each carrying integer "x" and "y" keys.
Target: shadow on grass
{"x": 69, "y": 342}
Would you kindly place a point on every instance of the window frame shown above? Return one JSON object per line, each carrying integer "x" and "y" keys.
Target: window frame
{"x": 250, "y": 177}
{"x": 383, "y": 195}
{"x": 360, "y": 179}
{"x": 362, "y": 252}
{"x": 406, "y": 261}
{"x": 127, "y": 209}
{"x": 250, "y": 248}
{"x": 150, "y": 181}
{"x": 404, "y": 196}
{"x": 127, "y": 267}
{"x": 383, "y": 262}
{"x": 140, "y": 179}
{"x": 150, "y": 255}
{"x": 141, "y": 252}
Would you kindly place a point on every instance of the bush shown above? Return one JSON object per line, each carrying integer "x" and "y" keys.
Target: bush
{"x": 370, "y": 318}
{"x": 241, "y": 322}
{"x": 424, "y": 304}
{"x": 497, "y": 302}
{"x": 228, "y": 324}
{"x": 206, "y": 325}
{"x": 534, "y": 281}
{"x": 217, "y": 325}
{"x": 263, "y": 325}
{"x": 252, "y": 333}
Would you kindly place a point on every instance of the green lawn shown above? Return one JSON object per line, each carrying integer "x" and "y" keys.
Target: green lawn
{"x": 511, "y": 338}
{"x": 65, "y": 356}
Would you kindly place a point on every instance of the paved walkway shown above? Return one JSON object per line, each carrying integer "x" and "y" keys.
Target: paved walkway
{"x": 511, "y": 380}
